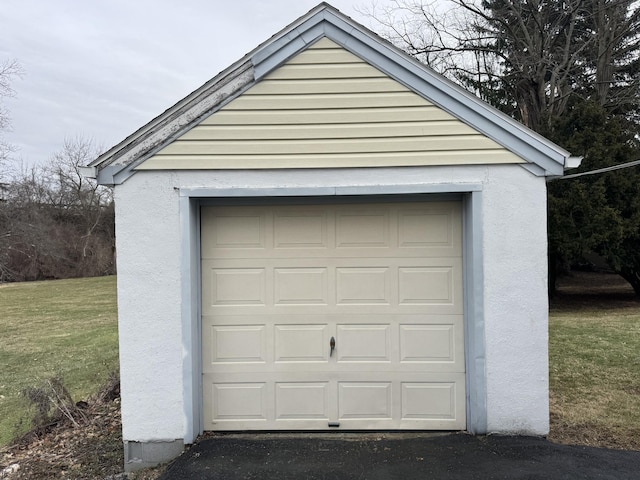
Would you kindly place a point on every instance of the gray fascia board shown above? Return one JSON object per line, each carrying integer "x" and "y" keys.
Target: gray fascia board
{"x": 284, "y": 45}
{"x": 106, "y": 175}
{"x": 123, "y": 174}
{"x": 113, "y": 175}
{"x": 193, "y": 122}
{"x": 535, "y": 169}
{"x": 265, "y": 64}
{"x": 286, "y": 35}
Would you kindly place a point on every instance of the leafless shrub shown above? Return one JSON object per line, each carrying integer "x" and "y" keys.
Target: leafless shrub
{"x": 51, "y": 405}
{"x": 109, "y": 391}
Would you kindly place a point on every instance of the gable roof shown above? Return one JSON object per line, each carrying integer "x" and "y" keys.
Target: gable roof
{"x": 116, "y": 165}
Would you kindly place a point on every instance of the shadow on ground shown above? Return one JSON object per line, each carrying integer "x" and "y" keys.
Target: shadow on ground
{"x": 397, "y": 456}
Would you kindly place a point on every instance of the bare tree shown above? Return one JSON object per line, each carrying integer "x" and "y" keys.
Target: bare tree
{"x": 82, "y": 198}
{"x": 55, "y": 223}
{"x": 9, "y": 70}
{"x": 28, "y": 241}
{"x": 526, "y": 57}
{"x": 615, "y": 59}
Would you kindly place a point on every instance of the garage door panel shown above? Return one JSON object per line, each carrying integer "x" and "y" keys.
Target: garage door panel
{"x": 238, "y": 344}
{"x": 365, "y": 399}
{"x": 384, "y": 285}
{"x": 426, "y": 230}
{"x": 426, "y": 285}
{"x": 362, "y": 229}
{"x": 363, "y": 343}
{"x": 430, "y": 228}
{"x": 385, "y": 310}
{"x": 236, "y": 286}
{"x": 301, "y": 343}
{"x": 429, "y": 343}
{"x": 429, "y": 400}
{"x": 369, "y": 400}
{"x": 300, "y": 229}
{"x": 383, "y": 280}
{"x": 238, "y": 231}
{"x": 363, "y": 285}
{"x": 239, "y": 401}
{"x": 301, "y": 400}
{"x": 301, "y": 285}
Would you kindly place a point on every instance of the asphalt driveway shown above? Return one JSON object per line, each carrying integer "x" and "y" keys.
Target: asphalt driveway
{"x": 405, "y": 456}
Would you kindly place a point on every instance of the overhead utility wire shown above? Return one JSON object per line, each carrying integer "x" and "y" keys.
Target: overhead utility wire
{"x": 600, "y": 170}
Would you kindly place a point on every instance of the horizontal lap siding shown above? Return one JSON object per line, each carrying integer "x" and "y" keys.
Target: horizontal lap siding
{"x": 327, "y": 108}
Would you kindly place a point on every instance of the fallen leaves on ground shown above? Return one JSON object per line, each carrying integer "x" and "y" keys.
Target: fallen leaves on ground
{"x": 89, "y": 451}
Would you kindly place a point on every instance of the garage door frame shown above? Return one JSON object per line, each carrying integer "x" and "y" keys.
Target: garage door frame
{"x": 471, "y": 197}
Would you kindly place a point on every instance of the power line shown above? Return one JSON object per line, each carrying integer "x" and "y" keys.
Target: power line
{"x": 600, "y": 170}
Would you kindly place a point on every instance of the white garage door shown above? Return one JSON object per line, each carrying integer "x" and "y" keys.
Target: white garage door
{"x": 319, "y": 316}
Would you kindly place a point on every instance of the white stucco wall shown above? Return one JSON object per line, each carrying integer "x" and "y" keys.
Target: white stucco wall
{"x": 149, "y": 286}
{"x": 515, "y": 301}
{"x": 149, "y": 299}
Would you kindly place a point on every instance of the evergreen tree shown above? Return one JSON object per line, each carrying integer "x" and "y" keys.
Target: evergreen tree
{"x": 597, "y": 213}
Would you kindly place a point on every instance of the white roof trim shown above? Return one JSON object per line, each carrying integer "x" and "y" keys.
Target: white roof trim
{"x": 544, "y": 157}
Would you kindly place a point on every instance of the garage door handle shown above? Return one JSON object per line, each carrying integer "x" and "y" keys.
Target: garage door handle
{"x": 332, "y": 344}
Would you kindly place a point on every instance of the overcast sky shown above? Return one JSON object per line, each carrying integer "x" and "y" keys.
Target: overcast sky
{"x": 100, "y": 69}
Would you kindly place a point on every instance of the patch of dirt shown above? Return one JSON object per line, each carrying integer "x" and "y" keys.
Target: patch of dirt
{"x": 593, "y": 435}
{"x": 593, "y": 290}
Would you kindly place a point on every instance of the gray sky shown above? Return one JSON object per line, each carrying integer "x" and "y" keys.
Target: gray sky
{"x": 100, "y": 69}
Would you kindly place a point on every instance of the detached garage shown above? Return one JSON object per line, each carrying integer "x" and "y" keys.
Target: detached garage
{"x": 330, "y": 236}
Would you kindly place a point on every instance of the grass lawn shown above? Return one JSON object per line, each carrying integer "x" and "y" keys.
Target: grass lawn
{"x": 65, "y": 328}
{"x": 594, "y": 363}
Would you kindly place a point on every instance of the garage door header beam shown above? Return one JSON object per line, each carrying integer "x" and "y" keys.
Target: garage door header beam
{"x": 201, "y": 192}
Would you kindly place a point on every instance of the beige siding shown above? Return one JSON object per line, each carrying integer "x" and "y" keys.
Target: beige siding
{"x": 327, "y": 108}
